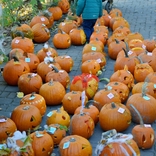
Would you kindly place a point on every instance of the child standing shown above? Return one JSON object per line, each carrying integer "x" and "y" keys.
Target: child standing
{"x": 90, "y": 10}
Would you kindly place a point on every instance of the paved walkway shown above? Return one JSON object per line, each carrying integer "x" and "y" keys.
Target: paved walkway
{"x": 141, "y": 16}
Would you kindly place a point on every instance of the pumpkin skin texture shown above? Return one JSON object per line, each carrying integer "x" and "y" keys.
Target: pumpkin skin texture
{"x": 64, "y": 5}
{"x": 26, "y": 117}
{"x": 59, "y": 116}
{"x": 41, "y": 33}
{"x": 36, "y": 100}
{"x": 61, "y": 40}
{"x": 42, "y": 143}
{"x": 111, "y": 118}
{"x": 29, "y": 82}
{"x": 72, "y": 100}
{"x": 57, "y": 133}
{"x": 105, "y": 96}
{"x": 145, "y": 104}
{"x": 7, "y": 128}
{"x": 53, "y": 92}
{"x": 14, "y": 69}
{"x": 78, "y": 146}
{"x": 82, "y": 124}
{"x": 56, "y": 12}
{"x": 24, "y": 43}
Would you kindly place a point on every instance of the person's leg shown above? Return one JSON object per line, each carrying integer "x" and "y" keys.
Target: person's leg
{"x": 88, "y": 28}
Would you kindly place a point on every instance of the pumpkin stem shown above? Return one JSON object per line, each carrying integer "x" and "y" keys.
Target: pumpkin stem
{"x": 139, "y": 115}
{"x": 51, "y": 82}
{"x": 19, "y": 33}
{"x": 89, "y": 103}
{"x": 105, "y": 79}
{"x": 32, "y": 96}
{"x": 26, "y": 107}
{"x": 126, "y": 54}
{"x": 55, "y": 69}
{"x": 113, "y": 105}
{"x": 144, "y": 87}
{"x": 117, "y": 41}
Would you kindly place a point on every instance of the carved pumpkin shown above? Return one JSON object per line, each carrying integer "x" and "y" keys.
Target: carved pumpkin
{"x": 123, "y": 76}
{"x": 29, "y": 82}
{"x": 135, "y": 43}
{"x": 36, "y": 100}
{"x": 145, "y": 104}
{"x": 82, "y": 124}
{"x": 152, "y": 77}
{"x": 96, "y": 41}
{"x": 77, "y": 36}
{"x": 56, "y": 131}
{"x": 113, "y": 143}
{"x": 144, "y": 135}
{"x": 91, "y": 67}
{"x": 87, "y": 82}
{"x": 72, "y": 100}
{"x": 150, "y": 44}
{"x": 42, "y": 143}
{"x": 64, "y": 5}
{"x": 41, "y": 33}
{"x": 58, "y": 116}
{"x": 65, "y": 61}
{"x": 53, "y": 92}
{"x": 26, "y": 117}
{"x": 121, "y": 88}
{"x": 61, "y": 40}
{"x": 16, "y": 52}
{"x": 114, "y": 116}
{"x": 122, "y": 29}
{"x": 74, "y": 145}
{"x": 14, "y": 69}
{"x": 46, "y": 51}
{"x": 7, "y": 128}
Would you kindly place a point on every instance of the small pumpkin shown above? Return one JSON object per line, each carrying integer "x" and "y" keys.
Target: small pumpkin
{"x": 64, "y": 5}
{"x": 61, "y": 40}
{"x": 58, "y": 116}
{"x": 42, "y": 143}
{"x": 56, "y": 131}
{"x": 56, "y": 12}
{"x": 87, "y": 82}
{"x": 7, "y": 128}
{"x": 82, "y": 124}
{"x": 144, "y": 135}
{"x": 72, "y": 100}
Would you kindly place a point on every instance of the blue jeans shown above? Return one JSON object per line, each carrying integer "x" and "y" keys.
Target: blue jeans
{"x": 88, "y": 27}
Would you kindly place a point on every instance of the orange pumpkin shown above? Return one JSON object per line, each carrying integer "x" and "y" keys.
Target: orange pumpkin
{"x": 56, "y": 12}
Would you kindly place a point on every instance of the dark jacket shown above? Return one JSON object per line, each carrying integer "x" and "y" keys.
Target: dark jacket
{"x": 90, "y": 9}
